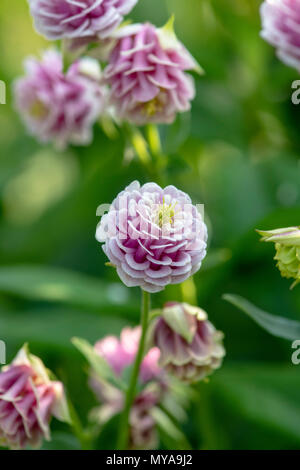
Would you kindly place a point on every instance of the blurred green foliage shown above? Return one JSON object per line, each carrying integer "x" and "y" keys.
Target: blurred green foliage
{"x": 238, "y": 153}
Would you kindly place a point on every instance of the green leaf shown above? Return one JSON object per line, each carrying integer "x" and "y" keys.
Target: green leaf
{"x": 169, "y": 430}
{"x": 265, "y": 395}
{"x": 61, "y": 285}
{"x": 275, "y": 325}
{"x": 51, "y": 329}
{"x": 98, "y": 364}
{"x": 61, "y": 441}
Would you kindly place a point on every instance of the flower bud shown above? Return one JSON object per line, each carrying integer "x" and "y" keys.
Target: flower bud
{"x": 28, "y": 399}
{"x": 190, "y": 347}
{"x": 287, "y": 245}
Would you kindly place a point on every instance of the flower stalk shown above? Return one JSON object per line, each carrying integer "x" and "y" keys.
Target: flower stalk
{"x": 130, "y": 395}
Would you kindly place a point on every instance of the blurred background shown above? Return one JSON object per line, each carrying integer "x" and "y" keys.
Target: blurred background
{"x": 237, "y": 152}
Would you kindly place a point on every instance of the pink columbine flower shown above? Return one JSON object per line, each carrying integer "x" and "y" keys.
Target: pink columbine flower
{"x": 120, "y": 354}
{"x": 57, "y": 19}
{"x": 153, "y": 236}
{"x": 28, "y": 399}
{"x": 190, "y": 347}
{"x": 281, "y": 28}
{"x": 59, "y": 107}
{"x": 146, "y": 72}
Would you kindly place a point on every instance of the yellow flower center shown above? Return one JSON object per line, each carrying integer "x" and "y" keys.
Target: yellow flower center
{"x": 38, "y": 110}
{"x": 154, "y": 106}
{"x": 165, "y": 214}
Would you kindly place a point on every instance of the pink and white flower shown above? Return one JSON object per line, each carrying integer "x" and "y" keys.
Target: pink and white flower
{"x": 281, "y": 28}
{"x": 147, "y": 74}
{"x": 57, "y": 19}
{"x": 153, "y": 236}
{"x": 28, "y": 400}
{"x": 190, "y": 346}
{"x": 60, "y": 107}
{"x": 120, "y": 354}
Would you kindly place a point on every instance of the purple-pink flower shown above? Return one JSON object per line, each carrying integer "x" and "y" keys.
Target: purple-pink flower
{"x": 153, "y": 236}
{"x": 57, "y": 19}
{"x": 190, "y": 346}
{"x": 28, "y": 399}
{"x": 59, "y": 107}
{"x": 147, "y": 74}
{"x": 120, "y": 354}
{"x": 281, "y": 28}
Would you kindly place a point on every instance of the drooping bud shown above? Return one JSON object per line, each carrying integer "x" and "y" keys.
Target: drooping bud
{"x": 190, "y": 346}
{"x": 147, "y": 74}
{"x": 287, "y": 245}
{"x": 28, "y": 400}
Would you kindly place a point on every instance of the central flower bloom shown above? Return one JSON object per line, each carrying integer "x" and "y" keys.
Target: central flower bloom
{"x": 153, "y": 236}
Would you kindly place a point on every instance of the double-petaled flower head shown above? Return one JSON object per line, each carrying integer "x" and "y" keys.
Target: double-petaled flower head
{"x": 58, "y": 19}
{"x": 281, "y": 28}
{"x": 60, "y": 107}
{"x": 153, "y": 236}
{"x": 120, "y": 355}
{"x": 147, "y": 74}
{"x": 190, "y": 346}
{"x": 28, "y": 399}
{"x": 287, "y": 245}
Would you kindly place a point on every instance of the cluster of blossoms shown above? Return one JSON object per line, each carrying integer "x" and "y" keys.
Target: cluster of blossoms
{"x": 153, "y": 236}
{"x": 287, "y": 245}
{"x": 281, "y": 28}
{"x": 184, "y": 344}
{"x": 144, "y": 81}
{"x": 28, "y": 399}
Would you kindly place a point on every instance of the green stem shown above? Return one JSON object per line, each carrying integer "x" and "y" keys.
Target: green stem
{"x": 154, "y": 139}
{"x": 130, "y": 395}
{"x": 83, "y": 436}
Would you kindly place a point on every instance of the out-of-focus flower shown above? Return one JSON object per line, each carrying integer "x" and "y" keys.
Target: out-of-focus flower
{"x": 60, "y": 107}
{"x": 57, "y": 19}
{"x": 120, "y": 354}
{"x": 281, "y": 28}
{"x": 190, "y": 347}
{"x": 153, "y": 236}
{"x": 146, "y": 72}
{"x": 287, "y": 245}
{"x": 28, "y": 399}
